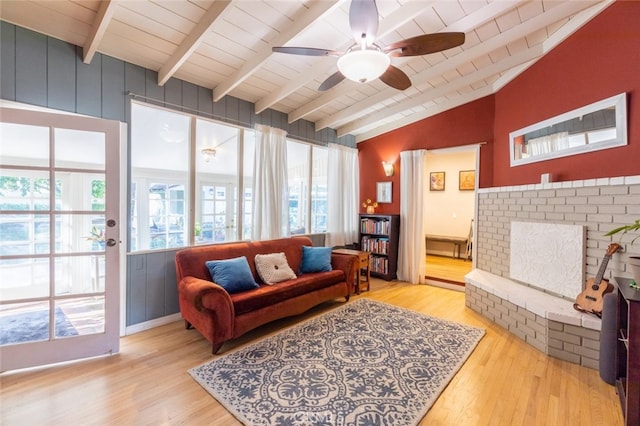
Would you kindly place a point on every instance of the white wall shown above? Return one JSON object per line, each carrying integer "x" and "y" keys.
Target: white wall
{"x": 449, "y": 212}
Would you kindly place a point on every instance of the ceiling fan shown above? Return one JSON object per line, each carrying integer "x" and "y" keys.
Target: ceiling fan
{"x": 366, "y": 60}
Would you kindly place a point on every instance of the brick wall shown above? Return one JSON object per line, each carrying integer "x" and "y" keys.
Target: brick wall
{"x": 576, "y": 344}
{"x": 599, "y": 204}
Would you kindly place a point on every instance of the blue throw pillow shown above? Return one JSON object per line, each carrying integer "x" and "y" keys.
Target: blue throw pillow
{"x": 315, "y": 259}
{"x": 234, "y": 275}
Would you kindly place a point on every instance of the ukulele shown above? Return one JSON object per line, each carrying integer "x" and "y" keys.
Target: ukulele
{"x": 591, "y": 298}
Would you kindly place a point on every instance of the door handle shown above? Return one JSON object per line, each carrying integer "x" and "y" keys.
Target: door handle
{"x": 111, "y": 242}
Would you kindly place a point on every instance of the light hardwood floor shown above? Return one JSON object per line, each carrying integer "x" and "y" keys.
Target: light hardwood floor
{"x": 447, "y": 269}
{"x": 504, "y": 381}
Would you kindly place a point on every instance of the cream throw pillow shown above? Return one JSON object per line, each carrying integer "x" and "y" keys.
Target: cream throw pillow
{"x": 273, "y": 268}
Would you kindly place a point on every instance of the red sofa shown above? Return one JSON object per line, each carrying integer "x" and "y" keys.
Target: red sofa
{"x": 220, "y": 316}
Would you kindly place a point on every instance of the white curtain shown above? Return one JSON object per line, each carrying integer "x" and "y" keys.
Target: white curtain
{"x": 412, "y": 250}
{"x": 548, "y": 144}
{"x": 342, "y": 202}
{"x": 270, "y": 184}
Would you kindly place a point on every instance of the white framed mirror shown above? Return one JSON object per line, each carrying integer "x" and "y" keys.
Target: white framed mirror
{"x": 600, "y": 125}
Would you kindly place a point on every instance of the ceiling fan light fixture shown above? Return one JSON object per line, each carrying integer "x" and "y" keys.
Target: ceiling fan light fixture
{"x": 363, "y": 65}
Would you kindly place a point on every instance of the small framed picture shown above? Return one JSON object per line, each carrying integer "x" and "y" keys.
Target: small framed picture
{"x": 467, "y": 180}
{"x": 436, "y": 181}
{"x": 383, "y": 192}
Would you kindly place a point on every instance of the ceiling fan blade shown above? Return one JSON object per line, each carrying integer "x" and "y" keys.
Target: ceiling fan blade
{"x": 363, "y": 18}
{"x": 333, "y": 79}
{"x": 396, "y": 78}
{"x": 306, "y": 51}
{"x": 424, "y": 44}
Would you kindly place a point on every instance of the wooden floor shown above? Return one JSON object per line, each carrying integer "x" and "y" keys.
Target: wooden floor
{"x": 504, "y": 381}
{"x": 447, "y": 269}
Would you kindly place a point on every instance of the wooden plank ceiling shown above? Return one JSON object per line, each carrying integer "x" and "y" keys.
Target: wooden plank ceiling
{"x": 226, "y": 46}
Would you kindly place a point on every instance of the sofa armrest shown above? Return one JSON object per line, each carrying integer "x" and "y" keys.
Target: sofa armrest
{"x": 348, "y": 264}
{"x": 208, "y": 308}
{"x": 207, "y": 295}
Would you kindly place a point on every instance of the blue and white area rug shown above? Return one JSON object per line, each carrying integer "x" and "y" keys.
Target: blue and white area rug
{"x": 365, "y": 363}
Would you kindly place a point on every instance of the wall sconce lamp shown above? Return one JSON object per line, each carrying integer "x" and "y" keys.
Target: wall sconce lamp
{"x": 208, "y": 154}
{"x": 388, "y": 168}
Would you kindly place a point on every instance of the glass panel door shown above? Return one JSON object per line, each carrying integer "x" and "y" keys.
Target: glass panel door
{"x": 59, "y": 237}
{"x": 217, "y": 218}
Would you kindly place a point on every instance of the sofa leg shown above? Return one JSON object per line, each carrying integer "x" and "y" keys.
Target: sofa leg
{"x": 187, "y": 325}
{"x": 347, "y": 297}
{"x": 215, "y": 347}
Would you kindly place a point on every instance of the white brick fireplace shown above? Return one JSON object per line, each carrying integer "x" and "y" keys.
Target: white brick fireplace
{"x": 496, "y": 290}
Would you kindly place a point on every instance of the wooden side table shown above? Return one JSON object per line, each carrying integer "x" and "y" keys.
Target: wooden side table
{"x": 363, "y": 278}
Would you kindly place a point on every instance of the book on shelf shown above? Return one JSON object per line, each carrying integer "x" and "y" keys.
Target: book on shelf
{"x": 374, "y": 226}
{"x": 379, "y": 265}
{"x": 379, "y": 235}
{"x": 375, "y": 245}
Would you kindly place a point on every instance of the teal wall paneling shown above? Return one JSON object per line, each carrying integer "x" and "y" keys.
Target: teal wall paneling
{"x": 43, "y": 71}
{"x": 134, "y": 81}
{"x": 205, "y": 101}
{"x": 173, "y": 93}
{"x": 8, "y": 62}
{"x": 155, "y": 285}
{"x": 31, "y": 67}
{"x": 171, "y": 304}
{"x": 190, "y": 96}
{"x": 136, "y": 289}
{"x": 113, "y": 94}
{"x": 245, "y": 112}
{"x": 231, "y": 110}
{"x": 89, "y": 86}
{"x": 61, "y": 75}
{"x": 152, "y": 90}
{"x": 220, "y": 107}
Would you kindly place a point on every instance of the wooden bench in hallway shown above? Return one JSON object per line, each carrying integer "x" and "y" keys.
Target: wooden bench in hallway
{"x": 456, "y": 241}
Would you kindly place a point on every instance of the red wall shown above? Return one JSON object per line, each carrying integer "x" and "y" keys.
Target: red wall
{"x": 467, "y": 124}
{"x": 600, "y": 60}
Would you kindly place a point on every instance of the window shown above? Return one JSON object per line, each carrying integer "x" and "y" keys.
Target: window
{"x": 191, "y": 181}
{"x": 217, "y": 215}
{"x": 166, "y": 215}
{"x": 174, "y": 204}
{"x": 307, "y": 174}
{"x": 298, "y": 175}
{"x": 319, "y": 190}
{"x": 160, "y": 142}
{"x": 217, "y": 182}
{"x": 25, "y": 231}
{"x": 249, "y": 143}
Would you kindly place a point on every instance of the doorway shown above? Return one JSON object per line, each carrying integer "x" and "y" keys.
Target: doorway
{"x": 450, "y": 210}
{"x": 59, "y": 239}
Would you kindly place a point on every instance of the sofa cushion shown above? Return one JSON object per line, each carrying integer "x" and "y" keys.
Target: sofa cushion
{"x": 234, "y": 275}
{"x": 315, "y": 259}
{"x": 268, "y": 295}
{"x": 273, "y": 268}
{"x": 190, "y": 261}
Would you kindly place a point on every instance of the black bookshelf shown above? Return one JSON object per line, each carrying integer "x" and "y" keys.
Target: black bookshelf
{"x": 379, "y": 235}
{"x": 628, "y": 351}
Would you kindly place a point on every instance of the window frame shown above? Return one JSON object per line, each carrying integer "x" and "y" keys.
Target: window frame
{"x": 238, "y": 187}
